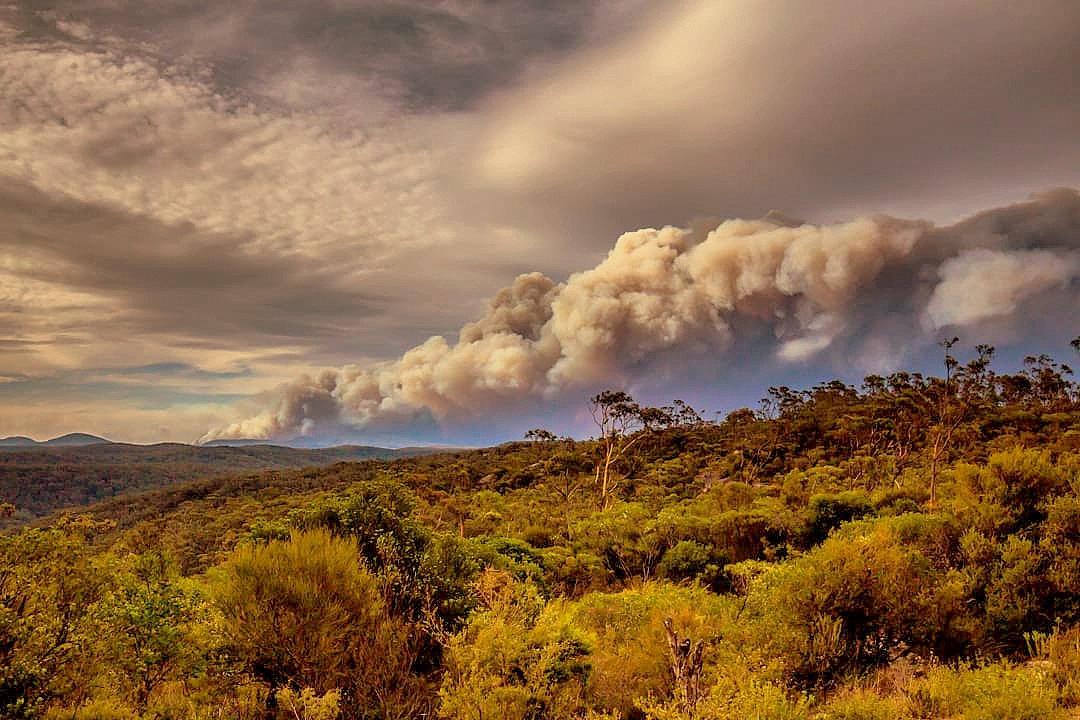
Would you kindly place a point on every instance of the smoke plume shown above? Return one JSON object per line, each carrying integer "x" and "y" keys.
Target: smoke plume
{"x": 793, "y": 293}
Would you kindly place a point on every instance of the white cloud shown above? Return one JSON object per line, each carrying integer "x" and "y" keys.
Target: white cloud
{"x": 982, "y": 284}
{"x": 662, "y": 298}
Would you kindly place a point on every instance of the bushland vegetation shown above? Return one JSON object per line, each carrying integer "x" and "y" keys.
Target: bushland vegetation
{"x": 40, "y": 481}
{"x": 905, "y": 549}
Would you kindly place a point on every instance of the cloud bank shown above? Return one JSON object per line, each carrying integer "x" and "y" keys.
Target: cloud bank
{"x": 825, "y": 109}
{"x": 662, "y": 297}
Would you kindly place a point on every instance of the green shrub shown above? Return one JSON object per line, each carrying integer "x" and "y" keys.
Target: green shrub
{"x": 847, "y": 604}
{"x": 1063, "y": 652}
{"x": 825, "y": 512}
{"x": 997, "y": 691}
{"x": 863, "y": 704}
{"x": 687, "y": 559}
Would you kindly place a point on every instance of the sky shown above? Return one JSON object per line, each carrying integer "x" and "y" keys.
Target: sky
{"x": 451, "y": 221}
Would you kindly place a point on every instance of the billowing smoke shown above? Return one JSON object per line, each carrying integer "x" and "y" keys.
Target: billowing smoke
{"x": 864, "y": 290}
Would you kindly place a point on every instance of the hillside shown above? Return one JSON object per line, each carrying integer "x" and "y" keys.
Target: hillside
{"x": 903, "y": 550}
{"x": 17, "y": 441}
{"x": 22, "y": 442}
{"x": 40, "y": 480}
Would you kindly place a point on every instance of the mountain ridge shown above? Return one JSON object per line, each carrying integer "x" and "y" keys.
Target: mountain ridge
{"x": 68, "y": 440}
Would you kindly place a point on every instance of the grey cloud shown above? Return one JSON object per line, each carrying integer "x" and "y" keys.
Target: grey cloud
{"x": 108, "y": 129}
{"x": 423, "y": 55}
{"x": 176, "y": 280}
{"x": 317, "y": 182}
{"x": 824, "y": 109}
{"x": 75, "y": 389}
{"x": 138, "y": 201}
{"x": 800, "y": 294}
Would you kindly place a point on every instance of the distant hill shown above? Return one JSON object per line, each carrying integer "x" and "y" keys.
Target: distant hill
{"x": 297, "y": 442}
{"x": 204, "y": 517}
{"x": 76, "y": 440}
{"x": 40, "y": 478}
{"x": 21, "y": 442}
{"x": 300, "y": 443}
{"x": 18, "y": 441}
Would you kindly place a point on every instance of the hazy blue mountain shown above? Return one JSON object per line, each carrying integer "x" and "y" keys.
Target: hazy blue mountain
{"x": 21, "y": 442}
{"x": 75, "y": 440}
{"x": 18, "y": 441}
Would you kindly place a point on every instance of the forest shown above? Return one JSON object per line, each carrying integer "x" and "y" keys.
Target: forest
{"x": 905, "y": 549}
{"x": 40, "y": 481}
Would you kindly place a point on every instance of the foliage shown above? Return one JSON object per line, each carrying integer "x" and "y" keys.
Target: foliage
{"x": 47, "y": 580}
{"x": 40, "y": 481}
{"x": 995, "y": 691}
{"x": 147, "y": 624}
{"x": 307, "y": 613}
{"x": 512, "y": 661}
{"x": 906, "y": 549}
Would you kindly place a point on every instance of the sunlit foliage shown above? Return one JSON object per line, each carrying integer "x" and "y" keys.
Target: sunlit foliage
{"x": 904, "y": 550}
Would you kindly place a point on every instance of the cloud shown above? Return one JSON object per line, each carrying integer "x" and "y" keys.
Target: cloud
{"x": 981, "y": 284}
{"x": 164, "y": 206}
{"x": 662, "y": 295}
{"x": 79, "y": 269}
{"x": 145, "y": 213}
{"x": 111, "y": 129}
{"x": 123, "y": 419}
{"x": 157, "y": 370}
{"x": 141, "y": 195}
{"x": 430, "y": 57}
{"x": 825, "y": 109}
{"x": 279, "y": 186}
{"x": 136, "y": 404}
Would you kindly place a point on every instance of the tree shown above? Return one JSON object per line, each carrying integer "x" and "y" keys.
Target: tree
{"x": 540, "y": 435}
{"x": 1048, "y": 382}
{"x": 1043, "y": 384}
{"x": 623, "y": 537}
{"x": 513, "y": 661}
{"x": 964, "y": 389}
{"x": 622, "y": 424}
{"x": 147, "y": 625}
{"x": 683, "y": 414}
{"x": 566, "y": 471}
{"x": 687, "y": 657}
{"x": 632, "y": 657}
{"x": 416, "y": 580}
{"x": 849, "y": 604}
